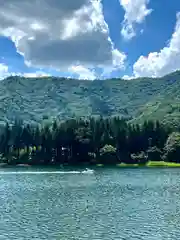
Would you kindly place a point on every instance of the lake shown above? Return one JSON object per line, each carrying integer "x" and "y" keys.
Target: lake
{"x": 106, "y": 204}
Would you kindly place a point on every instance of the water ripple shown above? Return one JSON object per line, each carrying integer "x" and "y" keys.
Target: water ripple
{"x": 108, "y": 204}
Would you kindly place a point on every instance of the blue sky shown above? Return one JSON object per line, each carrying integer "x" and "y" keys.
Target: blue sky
{"x": 90, "y": 39}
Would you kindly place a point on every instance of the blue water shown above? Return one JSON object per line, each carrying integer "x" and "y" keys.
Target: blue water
{"x": 116, "y": 204}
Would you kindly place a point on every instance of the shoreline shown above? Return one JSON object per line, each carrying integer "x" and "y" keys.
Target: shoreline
{"x": 150, "y": 164}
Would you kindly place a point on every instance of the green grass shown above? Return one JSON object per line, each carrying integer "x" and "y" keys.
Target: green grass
{"x": 162, "y": 164}
{"x": 127, "y": 165}
{"x": 99, "y": 165}
{"x": 151, "y": 164}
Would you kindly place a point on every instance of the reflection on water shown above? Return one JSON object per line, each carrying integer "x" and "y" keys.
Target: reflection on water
{"x": 101, "y": 204}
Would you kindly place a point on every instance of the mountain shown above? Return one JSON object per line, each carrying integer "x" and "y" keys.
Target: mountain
{"x": 35, "y": 99}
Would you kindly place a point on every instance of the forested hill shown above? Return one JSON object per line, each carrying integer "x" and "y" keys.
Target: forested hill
{"x": 35, "y": 99}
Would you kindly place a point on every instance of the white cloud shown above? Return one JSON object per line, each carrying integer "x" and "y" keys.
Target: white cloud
{"x": 83, "y": 73}
{"x": 127, "y": 77}
{"x": 59, "y": 34}
{"x": 3, "y": 71}
{"x": 118, "y": 63}
{"x": 135, "y": 13}
{"x": 37, "y": 74}
{"x": 163, "y": 62}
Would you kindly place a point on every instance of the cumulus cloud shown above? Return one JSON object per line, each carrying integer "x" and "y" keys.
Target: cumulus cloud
{"x": 163, "y": 62}
{"x": 59, "y": 34}
{"x": 3, "y": 71}
{"x": 83, "y": 73}
{"x": 135, "y": 13}
{"x": 37, "y": 74}
{"x": 127, "y": 77}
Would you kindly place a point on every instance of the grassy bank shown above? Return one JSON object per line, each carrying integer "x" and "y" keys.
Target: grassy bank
{"x": 149, "y": 164}
{"x": 162, "y": 164}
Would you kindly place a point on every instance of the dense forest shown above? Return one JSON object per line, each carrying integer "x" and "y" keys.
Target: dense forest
{"x": 92, "y": 141}
{"x": 44, "y": 99}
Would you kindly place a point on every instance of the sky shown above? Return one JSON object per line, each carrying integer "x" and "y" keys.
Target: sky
{"x": 89, "y": 39}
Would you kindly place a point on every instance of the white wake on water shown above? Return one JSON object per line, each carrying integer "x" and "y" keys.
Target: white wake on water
{"x": 87, "y": 171}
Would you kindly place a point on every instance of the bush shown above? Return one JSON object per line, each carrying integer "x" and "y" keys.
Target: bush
{"x": 140, "y": 158}
{"x": 108, "y": 155}
{"x": 107, "y": 149}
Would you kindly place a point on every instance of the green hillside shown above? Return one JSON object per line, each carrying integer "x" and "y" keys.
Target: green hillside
{"x": 33, "y": 99}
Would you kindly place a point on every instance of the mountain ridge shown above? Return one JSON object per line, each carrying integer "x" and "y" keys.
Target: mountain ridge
{"x": 35, "y": 99}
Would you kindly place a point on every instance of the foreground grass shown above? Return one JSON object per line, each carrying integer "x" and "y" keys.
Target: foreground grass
{"x": 149, "y": 164}
{"x": 162, "y": 164}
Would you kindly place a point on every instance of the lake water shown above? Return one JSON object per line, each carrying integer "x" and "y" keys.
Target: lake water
{"x": 116, "y": 204}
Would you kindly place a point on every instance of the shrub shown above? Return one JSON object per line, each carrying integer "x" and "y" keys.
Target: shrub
{"x": 140, "y": 158}
{"x": 108, "y": 155}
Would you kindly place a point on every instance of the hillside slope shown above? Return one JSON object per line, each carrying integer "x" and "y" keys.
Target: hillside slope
{"x": 33, "y": 99}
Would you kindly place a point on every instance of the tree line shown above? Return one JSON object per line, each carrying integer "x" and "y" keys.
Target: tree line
{"x": 88, "y": 141}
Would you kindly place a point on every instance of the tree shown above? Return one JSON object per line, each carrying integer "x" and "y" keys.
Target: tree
{"x": 172, "y": 148}
{"x": 79, "y": 141}
{"x": 154, "y": 154}
{"x": 6, "y": 140}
